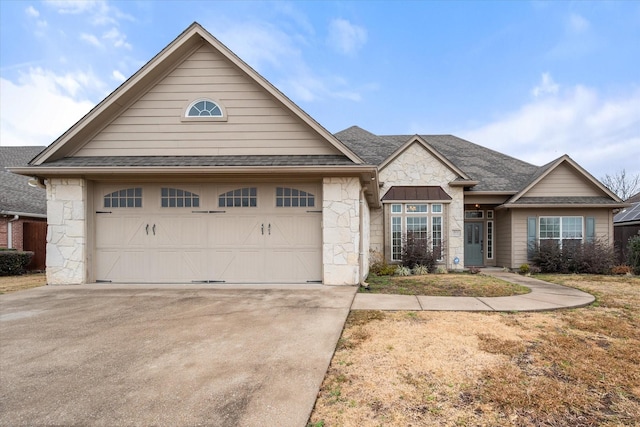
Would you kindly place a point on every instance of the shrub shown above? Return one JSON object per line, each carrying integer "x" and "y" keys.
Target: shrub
{"x": 403, "y": 271}
{"x": 634, "y": 253}
{"x": 525, "y": 269}
{"x": 442, "y": 270}
{"x": 574, "y": 257}
{"x": 474, "y": 270}
{"x": 13, "y": 262}
{"x": 378, "y": 265}
{"x": 420, "y": 270}
{"x": 419, "y": 251}
{"x": 621, "y": 269}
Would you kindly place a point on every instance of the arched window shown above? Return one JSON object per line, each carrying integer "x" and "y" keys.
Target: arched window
{"x": 204, "y": 108}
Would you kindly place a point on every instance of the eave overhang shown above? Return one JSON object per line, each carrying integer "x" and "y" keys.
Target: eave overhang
{"x": 561, "y": 205}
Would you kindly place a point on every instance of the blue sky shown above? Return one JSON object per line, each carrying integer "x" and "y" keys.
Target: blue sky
{"x": 532, "y": 79}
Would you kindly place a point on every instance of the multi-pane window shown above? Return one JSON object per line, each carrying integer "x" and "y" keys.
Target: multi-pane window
{"x": 292, "y": 197}
{"x": 561, "y": 229}
{"x": 423, "y": 220}
{"x": 396, "y": 238}
{"x": 239, "y": 198}
{"x": 204, "y": 108}
{"x": 177, "y": 198}
{"x": 125, "y": 198}
{"x": 490, "y": 239}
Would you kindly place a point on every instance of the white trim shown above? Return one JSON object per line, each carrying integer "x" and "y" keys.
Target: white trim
{"x": 186, "y": 118}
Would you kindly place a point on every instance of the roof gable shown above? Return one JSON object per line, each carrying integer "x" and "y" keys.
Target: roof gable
{"x": 563, "y": 179}
{"x": 416, "y": 139}
{"x": 165, "y": 79}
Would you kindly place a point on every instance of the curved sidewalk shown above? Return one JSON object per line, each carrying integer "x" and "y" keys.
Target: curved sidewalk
{"x": 543, "y": 296}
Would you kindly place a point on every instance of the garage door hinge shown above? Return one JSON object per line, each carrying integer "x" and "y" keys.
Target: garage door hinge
{"x": 104, "y": 281}
{"x": 208, "y": 281}
{"x": 104, "y": 212}
{"x": 320, "y": 211}
{"x": 208, "y": 211}
{"x": 314, "y": 281}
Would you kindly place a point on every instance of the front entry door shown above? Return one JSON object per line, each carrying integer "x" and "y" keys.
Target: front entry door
{"x": 473, "y": 241}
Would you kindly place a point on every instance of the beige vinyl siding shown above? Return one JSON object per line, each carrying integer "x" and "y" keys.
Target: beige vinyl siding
{"x": 502, "y": 237}
{"x": 564, "y": 181}
{"x": 603, "y": 219}
{"x": 256, "y": 123}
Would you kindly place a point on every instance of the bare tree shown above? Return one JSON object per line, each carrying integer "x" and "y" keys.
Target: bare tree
{"x": 621, "y": 184}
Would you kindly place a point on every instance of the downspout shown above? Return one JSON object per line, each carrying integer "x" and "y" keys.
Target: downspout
{"x": 362, "y": 254}
{"x": 10, "y": 231}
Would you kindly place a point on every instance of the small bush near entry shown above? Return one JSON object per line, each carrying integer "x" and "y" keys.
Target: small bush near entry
{"x": 419, "y": 251}
{"x": 525, "y": 269}
{"x": 12, "y": 262}
{"x": 591, "y": 257}
{"x": 420, "y": 270}
{"x": 634, "y": 253}
{"x": 403, "y": 271}
{"x": 621, "y": 269}
{"x": 378, "y": 265}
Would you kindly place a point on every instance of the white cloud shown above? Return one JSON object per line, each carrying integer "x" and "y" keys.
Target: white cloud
{"x": 31, "y": 11}
{"x": 118, "y": 76}
{"x": 42, "y": 105}
{"x": 600, "y": 132}
{"x": 346, "y": 37}
{"x": 577, "y": 24}
{"x": 116, "y": 38}
{"x": 91, "y": 39}
{"x": 546, "y": 87}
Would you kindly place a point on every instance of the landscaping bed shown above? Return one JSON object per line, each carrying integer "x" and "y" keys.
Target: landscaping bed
{"x": 19, "y": 283}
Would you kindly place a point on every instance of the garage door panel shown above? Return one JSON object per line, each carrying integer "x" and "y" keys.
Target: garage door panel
{"x": 163, "y": 240}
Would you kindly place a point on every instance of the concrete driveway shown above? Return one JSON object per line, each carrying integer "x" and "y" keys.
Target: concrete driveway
{"x": 166, "y": 356}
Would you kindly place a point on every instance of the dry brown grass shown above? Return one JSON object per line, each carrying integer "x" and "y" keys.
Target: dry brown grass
{"x": 573, "y": 367}
{"x": 19, "y": 283}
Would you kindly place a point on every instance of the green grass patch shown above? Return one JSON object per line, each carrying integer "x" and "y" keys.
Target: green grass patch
{"x": 452, "y": 284}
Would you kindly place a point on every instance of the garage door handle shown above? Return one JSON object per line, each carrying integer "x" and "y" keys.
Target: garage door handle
{"x": 262, "y": 229}
{"x": 147, "y": 229}
{"x": 269, "y": 228}
{"x": 154, "y": 229}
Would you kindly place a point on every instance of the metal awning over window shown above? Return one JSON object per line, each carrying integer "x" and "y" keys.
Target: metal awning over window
{"x": 410, "y": 192}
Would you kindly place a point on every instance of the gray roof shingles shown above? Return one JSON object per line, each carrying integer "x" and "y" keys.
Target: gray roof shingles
{"x": 15, "y": 194}
{"x": 200, "y": 161}
{"x": 495, "y": 171}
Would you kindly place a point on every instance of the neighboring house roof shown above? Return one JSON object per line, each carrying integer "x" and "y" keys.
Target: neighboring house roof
{"x": 496, "y": 172}
{"x": 628, "y": 216}
{"x": 16, "y": 196}
{"x": 633, "y": 199}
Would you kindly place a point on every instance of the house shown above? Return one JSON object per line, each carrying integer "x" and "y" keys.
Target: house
{"x": 23, "y": 208}
{"x": 626, "y": 224}
{"x": 197, "y": 169}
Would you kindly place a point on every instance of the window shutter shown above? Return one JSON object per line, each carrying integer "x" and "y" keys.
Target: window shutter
{"x": 531, "y": 236}
{"x": 591, "y": 229}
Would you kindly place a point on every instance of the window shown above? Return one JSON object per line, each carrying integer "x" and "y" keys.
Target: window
{"x": 474, "y": 214}
{"x": 239, "y": 198}
{"x": 415, "y": 218}
{"x": 489, "y": 239}
{"x": 561, "y": 229}
{"x": 127, "y": 198}
{"x": 292, "y": 197}
{"x": 204, "y": 108}
{"x": 177, "y": 198}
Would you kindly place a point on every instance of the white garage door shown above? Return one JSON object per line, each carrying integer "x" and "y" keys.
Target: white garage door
{"x": 177, "y": 233}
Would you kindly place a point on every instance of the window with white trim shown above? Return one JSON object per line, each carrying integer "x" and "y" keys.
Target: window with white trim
{"x": 424, "y": 220}
{"x": 490, "y": 239}
{"x": 178, "y": 198}
{"x": 239, "y": 198}
{"x": 204, "y": 108}
{"x": 292, "y": 197}
{"x": 561, "y": 229}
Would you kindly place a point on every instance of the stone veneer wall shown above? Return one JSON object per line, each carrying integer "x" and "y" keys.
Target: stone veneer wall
{"x": 416, "y": 166}
{"x": 366, "y": 236}
{"x": 66, "y": 234}
{"x": 341, "y": 231}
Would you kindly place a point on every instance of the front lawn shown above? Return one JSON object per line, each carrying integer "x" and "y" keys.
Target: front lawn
{"x": 452, "y": 284}
{"x": 574, "y": 367}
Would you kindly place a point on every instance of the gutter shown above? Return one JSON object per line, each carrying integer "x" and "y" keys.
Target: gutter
{"x": 10, "y": 231}
{"x": 19, "y": 214}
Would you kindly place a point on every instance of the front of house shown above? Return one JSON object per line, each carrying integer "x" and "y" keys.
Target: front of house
{"x": 198, "y": 170}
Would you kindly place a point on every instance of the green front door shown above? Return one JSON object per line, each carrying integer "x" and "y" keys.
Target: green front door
{"x": 473, "y": 240}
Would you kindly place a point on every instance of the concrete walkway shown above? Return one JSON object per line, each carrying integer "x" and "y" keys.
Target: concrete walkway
{"x": 543, "y": 296}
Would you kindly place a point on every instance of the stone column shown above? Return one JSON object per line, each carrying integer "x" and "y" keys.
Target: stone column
{"x": 341, "y": 231}
{"x": 66, "y": 233}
